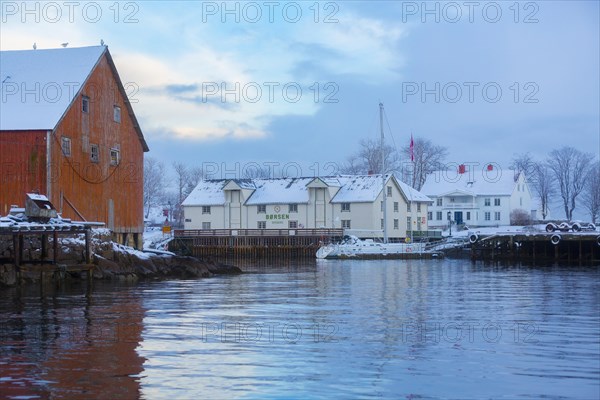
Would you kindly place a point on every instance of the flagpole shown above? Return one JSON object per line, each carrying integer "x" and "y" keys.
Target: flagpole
{"x": 412, "y": 159}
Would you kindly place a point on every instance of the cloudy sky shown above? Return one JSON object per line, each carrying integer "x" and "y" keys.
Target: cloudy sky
{"x": 298, "y": 83}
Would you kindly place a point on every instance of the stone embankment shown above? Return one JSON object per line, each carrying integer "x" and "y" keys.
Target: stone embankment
{"x": 109, "y": 261}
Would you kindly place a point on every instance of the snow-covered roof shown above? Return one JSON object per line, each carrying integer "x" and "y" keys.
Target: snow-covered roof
{"x": 35, "y": 196}
{"x": 475, "y": 183}
{"x": 413, "y": 194}
{"x": 358, "y": 188}
{"x": 279, "y": 191}
{"x": 207, "y": 193}
{"x": 39, "y": 85}
{"x": 353, "y": 189}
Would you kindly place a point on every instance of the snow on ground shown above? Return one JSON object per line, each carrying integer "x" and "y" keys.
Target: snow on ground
{"x": 532, "y": 229}
{"x": 155, "y": 239}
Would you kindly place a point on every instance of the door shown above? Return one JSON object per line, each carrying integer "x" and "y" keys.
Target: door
{"x": 458, "y": 217}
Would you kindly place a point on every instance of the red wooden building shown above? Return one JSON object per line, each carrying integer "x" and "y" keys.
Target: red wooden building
{"x": 67, "y": 130}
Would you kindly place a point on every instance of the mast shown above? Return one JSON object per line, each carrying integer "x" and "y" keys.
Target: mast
{"x": 383, "y": 190}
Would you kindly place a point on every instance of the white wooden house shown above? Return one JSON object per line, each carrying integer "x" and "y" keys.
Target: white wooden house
{"x": 477, "y": 197}
{"x": 354, "y": 203}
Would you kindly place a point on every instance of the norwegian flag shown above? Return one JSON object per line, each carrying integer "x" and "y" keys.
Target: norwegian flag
{"x": 412, "y": 149}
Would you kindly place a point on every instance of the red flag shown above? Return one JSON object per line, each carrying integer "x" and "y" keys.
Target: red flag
{"x": 412, "y": 149}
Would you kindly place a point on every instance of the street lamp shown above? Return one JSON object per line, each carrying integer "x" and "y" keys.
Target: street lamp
{"x": 450, "y": 222}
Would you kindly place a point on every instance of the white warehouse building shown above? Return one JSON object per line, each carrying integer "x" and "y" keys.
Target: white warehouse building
{"x": 476, "y": 198}
{"x": 351, "y": 202}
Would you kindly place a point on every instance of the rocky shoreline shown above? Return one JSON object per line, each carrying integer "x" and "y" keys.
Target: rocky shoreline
{"x": 110, "y": 261}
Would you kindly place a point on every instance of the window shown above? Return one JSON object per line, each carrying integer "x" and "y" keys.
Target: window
{"x": 497, "y": 216}
{"x": 66, "y": 146}
{"x": 346, "y": 223}
{"x": 407, "y": 207}
{"x": 520, "y": 201}
{"x": 381, "y": 206}
{"x": 114, "y": 157}
{"x": 418, "y": 207}
{"x": 408, "y": 223}
{"x": 206, "y": 225}
{"x": 293, "y": 208}
{"x": 438, "y": 215}
{"x": 468, "y": 215}
{"x": 188, "y": 220}
{"x": 486, "y": 202}
{"x": 396, "y": 224}
{"x": 496, "y": 201}
{"x": 345, "y": 207}
{"x": 117, "y": 114}
{"x": 262, "y": 224}
{"x": 94, "y": 153}
{"x": 205, "y": 209}
{"x": 429, "y": 215}
{"x": 389, "y": 191}
{"x": 451, "y": 199}
{"x": 262, "y": 209}
{"x": 395, "y": 206}
{"x": 85, "y": 104}
{"x": 381, "y": 223}
{"x": 486, "y": 216}
{"x": 438, "y": 202}
{"x": 293, "y": 224}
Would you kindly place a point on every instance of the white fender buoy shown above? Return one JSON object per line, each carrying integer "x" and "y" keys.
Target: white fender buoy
{"x": 473, "y": 238}
{"x": 555, "y": 239}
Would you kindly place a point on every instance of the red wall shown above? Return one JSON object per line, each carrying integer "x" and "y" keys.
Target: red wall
{"x": 22, "y": 166}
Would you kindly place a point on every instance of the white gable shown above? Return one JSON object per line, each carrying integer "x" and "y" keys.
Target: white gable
{"x": 39, "y": 85}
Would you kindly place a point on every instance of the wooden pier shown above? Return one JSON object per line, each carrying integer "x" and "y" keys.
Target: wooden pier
{"x": 252, "y": 243}
{"x": 535, "y": 247}
{"x": 35, "y": 250}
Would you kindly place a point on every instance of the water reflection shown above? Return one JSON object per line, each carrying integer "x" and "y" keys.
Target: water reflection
{"x": 318, "y": 329}
{"x": 70, "y": 343}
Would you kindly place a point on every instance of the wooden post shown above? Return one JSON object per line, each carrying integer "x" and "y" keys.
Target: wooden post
{"x": 55, "y": 247}
{"x": 88, "y": 246}
{"x": 16, "y": 250}
{"x": 44, "y": 247}
{"x": 20, "y": 248}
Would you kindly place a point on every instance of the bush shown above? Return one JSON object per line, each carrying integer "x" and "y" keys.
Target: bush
{"x": 520, "y": 217}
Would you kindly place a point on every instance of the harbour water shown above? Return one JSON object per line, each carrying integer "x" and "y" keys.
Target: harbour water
{"x": 327, "y": 329}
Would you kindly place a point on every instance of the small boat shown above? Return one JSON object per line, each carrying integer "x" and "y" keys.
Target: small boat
{"x": 353, "y": 247}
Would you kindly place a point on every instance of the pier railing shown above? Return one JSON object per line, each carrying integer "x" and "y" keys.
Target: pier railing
{"x": 258, "y": 232}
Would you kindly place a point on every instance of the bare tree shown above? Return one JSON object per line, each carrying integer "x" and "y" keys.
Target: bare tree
{"x": 182, "y": 176}
{"x": 255, "y": 171}
{"x": 570, "y": 168}
{"x": 524, "y": 163}
{"x": 194, "y": 176}
{"x": 591, "y": 195}
{"x": 154, "y": 184}
{"x": 352, "y": 166}
{"x": 368, "y": 159}
{"x": 542, "y": 184}
{"x": 428, "y": 157}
